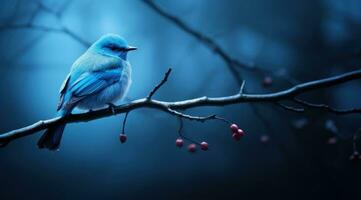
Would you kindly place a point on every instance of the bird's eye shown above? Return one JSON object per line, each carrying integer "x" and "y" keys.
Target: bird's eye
{"x": 111, "y": 47}
{"x": 114, "y": 48}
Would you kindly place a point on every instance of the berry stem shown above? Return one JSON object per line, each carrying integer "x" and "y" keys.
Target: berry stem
{"x": 124, "y": 121}
{"x": 183, "y": 136}
{"x": 223, "y": 120}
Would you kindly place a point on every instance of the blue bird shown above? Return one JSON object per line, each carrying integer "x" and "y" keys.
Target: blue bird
{"x": 97, "y": 78}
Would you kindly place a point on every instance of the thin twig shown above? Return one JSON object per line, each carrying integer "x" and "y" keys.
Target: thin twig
{"x": 156, "y": 88}
{"x": 241, "y": 90}
{"x": 191, "y": 117}
{"x": 180, "y": 125}
{"x": 290, "y": 108}
{"x": 327, "y": 107}
{"x": 197, "y": 118}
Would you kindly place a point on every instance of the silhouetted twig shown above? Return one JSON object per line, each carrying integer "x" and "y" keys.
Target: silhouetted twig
{"x": 156, "y": 88}
{"x": 327, "y": 107}
{"x": 290, "y": 108}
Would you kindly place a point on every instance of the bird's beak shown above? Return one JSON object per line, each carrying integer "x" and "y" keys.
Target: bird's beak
{"x": 130, "y": 48}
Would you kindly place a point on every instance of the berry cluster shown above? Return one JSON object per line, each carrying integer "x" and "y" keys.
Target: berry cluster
{"x": 237, "y": 133}
{"x": 191, "y": 147}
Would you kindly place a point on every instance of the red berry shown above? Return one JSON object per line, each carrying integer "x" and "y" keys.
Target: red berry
{"x": 240, "y": 132}
{"x": 204, "y": 146}
{"x": 236, "y": 136}
{"x": 122, "y": 138}
{"x": 179, "y": 142}
{"x": 192, "y": 148}
{"x": 234, "y": 128}
{"x": 267, "y": 81}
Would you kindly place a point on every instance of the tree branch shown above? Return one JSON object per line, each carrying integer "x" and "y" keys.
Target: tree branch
{"x": 232, "y": 63}
{"x": 170, "y": 107}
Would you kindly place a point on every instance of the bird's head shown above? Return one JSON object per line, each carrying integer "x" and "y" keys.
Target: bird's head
{"x": 112, "y": 45}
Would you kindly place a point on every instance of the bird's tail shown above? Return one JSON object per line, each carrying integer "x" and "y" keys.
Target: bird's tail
{"x": 52, "y": 137}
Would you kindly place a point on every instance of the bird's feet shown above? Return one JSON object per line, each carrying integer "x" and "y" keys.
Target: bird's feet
{"x": 112, "y": 107}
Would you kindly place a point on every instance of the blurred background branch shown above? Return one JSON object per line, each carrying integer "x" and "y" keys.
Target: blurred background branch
{"x": 232, "y": 63}
{"x": 57, "y": 14}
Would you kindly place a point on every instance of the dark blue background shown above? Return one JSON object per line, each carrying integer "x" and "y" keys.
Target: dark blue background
{"x": 306, "y": 39}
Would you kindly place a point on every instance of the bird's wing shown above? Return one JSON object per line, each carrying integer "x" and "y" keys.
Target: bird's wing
{"x": 91, "y": 83}
{"x": 62, "y": 91}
